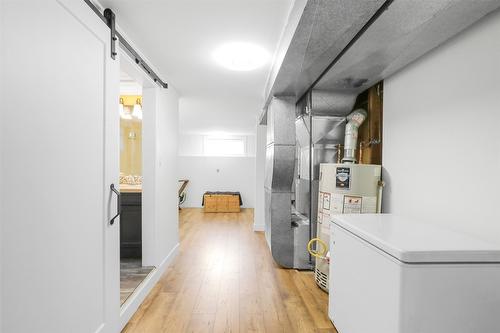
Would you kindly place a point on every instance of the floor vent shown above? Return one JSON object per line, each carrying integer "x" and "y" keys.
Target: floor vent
{"x": 321, "y": 279}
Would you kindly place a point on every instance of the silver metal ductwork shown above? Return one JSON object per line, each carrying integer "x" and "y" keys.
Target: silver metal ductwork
{"x": 280, "y": 165}
{"x": 329, "y": 35}
{"x": 299, "y": 138}
{"x": 330, "y": 52}
{"x": 401, "y": 34}
{"x": 354, "y": 120}
{"x": 329, "y": 103}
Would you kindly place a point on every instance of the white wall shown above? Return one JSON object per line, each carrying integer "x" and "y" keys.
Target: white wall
{"x": 216, "y": 173}
{"x": 222, "y": 116}
{"x": 235, "y": 116}
{"x": 160, "y": 235}
{"x": 149, "y": 168}
{"x": 192, "y": 144}
{"x": 160, "y": 137}
{"x": 167, "y": 214}
{"x": 442, "y": 134}
{"x": 1, "y": 140}
{"x": 260, "y": 169}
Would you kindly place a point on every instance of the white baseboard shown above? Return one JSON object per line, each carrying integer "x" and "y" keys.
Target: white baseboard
{"x": 135, "y": 300}
{"x": 259, "y": 227}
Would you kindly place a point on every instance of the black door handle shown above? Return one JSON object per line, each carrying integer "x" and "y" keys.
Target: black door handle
{"x": 118, "y": 203}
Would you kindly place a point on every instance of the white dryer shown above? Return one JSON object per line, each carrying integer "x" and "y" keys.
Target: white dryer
{"x": 390, "y": 274}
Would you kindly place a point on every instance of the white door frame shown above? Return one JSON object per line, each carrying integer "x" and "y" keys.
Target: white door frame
{"x": 150, "y": 255}
{"x": 148, "y": 159}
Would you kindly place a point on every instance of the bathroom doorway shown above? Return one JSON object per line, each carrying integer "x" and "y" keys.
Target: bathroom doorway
{"x": 132, "y": 271}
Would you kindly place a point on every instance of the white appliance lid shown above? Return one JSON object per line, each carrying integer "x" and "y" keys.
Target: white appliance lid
{"x": 414, "y": 241}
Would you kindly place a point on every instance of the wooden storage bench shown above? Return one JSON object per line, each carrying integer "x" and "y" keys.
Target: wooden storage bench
{"x": 223, "y": 202}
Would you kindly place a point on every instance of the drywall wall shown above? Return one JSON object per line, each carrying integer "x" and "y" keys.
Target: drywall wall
{"x": 1, "y": 140}
{"x": 216, "y": 173}
{"x": 192, "y": 144}
{"x": 160, "y": 137}
{"x": 260, "y": 170}
{"x": 441, "y": 135}
{"x": 235, "y": 116}
{"x": 160, "y": 236}
{"x": 167, "y": 215}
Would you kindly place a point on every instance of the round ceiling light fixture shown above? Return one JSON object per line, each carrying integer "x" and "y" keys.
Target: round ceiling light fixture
{"x": 241, "y": 56}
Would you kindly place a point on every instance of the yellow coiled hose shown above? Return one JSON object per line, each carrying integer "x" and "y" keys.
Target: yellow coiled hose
{"x": 321, "y": 253}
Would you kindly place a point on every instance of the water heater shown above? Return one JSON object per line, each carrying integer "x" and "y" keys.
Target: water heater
{"x": 345, "y": 188}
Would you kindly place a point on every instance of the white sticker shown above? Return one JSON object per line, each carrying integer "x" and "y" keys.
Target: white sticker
{"x": 326, "y": 201}
{"x": 352, "y": 204}
{"x": 326, "y": 218}
{"x": 337, "y": 203}
{"x": 369, "y": 205}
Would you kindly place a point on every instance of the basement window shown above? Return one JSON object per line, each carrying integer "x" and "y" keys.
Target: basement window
{"x": 214, "y": 146}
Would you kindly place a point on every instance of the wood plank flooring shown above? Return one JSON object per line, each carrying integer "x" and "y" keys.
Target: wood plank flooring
{"x": 225, "y": 280}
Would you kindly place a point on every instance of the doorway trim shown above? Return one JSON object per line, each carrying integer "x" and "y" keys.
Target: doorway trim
{"x": 148, "y": 158}
{"x": 150, "y": 246}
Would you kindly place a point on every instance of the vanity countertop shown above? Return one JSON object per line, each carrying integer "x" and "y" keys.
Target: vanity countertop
{"x": 126, "y": 188}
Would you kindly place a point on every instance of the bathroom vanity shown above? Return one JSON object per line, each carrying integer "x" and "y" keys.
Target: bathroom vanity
{"x": 131, "y": 221}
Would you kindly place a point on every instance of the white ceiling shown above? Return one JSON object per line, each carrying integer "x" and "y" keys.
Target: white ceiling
{"x": 179, "y": 36}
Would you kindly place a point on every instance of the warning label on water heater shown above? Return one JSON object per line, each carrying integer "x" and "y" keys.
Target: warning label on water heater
{"x": 325, "y": 204}
{"x": 352, "y": 204}
{"x": 343, "y": 178}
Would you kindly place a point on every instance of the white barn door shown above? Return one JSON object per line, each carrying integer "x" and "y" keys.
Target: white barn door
{"x": 60, "y": 146}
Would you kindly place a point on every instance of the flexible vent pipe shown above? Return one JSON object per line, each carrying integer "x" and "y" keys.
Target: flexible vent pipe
{"x": 354, "y": 120}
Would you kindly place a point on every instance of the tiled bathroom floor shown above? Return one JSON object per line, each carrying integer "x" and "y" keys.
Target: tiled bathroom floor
{"x": 131, "y": 276}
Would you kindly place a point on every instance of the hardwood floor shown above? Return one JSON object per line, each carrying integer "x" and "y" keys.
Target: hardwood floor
{"x": 225, "y": 280}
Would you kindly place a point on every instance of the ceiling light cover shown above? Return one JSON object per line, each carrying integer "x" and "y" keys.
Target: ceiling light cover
{"x": 241, "y": 56}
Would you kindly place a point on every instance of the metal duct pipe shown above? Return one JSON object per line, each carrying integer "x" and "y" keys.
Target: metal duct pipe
{"x": 354, "y": 120}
